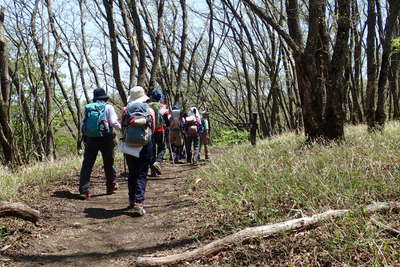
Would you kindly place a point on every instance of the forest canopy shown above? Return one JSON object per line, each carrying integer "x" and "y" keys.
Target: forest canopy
{"x": 309, "y": 66}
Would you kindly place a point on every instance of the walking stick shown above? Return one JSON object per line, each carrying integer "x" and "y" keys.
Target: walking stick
{"x": 170, "y": 150}
{"x": 125, "y": 174}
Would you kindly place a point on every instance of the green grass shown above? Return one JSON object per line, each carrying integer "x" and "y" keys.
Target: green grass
{"x": 41, "y": 173}
{"x": 269, "y": 183}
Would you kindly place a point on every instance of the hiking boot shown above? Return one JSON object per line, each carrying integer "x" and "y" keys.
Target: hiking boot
{"x": 157, "y": 167}
{"x": 138, "y": 209}
{"x": 153, "y": 172}
{"x": 85, "y": 195}
{"x": 113, "y": 187}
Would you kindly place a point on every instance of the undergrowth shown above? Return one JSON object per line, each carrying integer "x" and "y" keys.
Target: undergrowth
{"x": 281, "y": 179}
{"x": 41, "y": 173}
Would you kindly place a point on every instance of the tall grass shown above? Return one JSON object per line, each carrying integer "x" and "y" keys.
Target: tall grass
{"x": 40, "y": 173}
{"x": 281, "y": 177}
{"x": 281, "y": 174}
{"x": 43, "y": 173}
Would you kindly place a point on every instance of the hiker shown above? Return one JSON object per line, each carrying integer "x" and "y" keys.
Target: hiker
{"x": 99, "y": 119}
{"x": 161, "y": 112}
{"x": 204, "y": 131}
{"x": 176, "y": 137}
{"x": 138, "y": 125}
{"x": 192, "y": 121}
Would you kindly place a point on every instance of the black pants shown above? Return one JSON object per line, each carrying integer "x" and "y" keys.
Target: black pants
{"x": 195, "y": 140}
{"x": 158, "y": 147}
{"x": 92, "y": 146}
{"x": 137, "y": 178}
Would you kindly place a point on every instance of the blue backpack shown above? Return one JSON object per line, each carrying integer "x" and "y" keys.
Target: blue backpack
{"x": 94, "y": 121}
{"x": 202, "y": 127}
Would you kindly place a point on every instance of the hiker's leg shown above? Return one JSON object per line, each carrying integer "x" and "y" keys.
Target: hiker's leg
{"x": 132, "y": 163}
{"x": 206, "y": 150}
{"x": 153, "y": 156}
{"x": 141, "y": 181}
{"x": 205, "y": 142}
{"x": 201, "y": 144}
{"x": 188, "y": 144}
{"x": 196, "y": 147}
{"x": 107, "y": 152}
{"x": 160, "y": 141}
{"x": 141, "y": 169}
{"x": 89, "y": 158}
{"x": 168, "y": 144}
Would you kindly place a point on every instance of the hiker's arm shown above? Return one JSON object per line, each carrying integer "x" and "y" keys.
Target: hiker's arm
{"x": 153, "y": 115}
{"x": 112, "y": 118}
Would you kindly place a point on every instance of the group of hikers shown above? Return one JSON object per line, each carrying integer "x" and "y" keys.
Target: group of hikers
{"x": 148, "y": 129}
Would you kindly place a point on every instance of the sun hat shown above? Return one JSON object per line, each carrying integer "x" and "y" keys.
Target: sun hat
{"x": 99, "y": 94}
{"x": 138, "y": 95}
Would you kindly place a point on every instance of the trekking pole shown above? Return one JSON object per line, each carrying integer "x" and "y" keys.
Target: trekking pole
{"x": 170, "y": 150}
{"x": 125, "y": 173}
{"x": 172, "y": 156}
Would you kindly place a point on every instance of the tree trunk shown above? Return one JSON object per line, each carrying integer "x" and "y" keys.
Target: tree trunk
{"x": 7, "y": 139}
{"x": 371, "y": 66}
{"x": 157, "y": 46}
{"x": 335, "y": 116}
{"x": 108, "y": 5}
{"x": 141, "y": 43}
{"x": 391, "y": 23}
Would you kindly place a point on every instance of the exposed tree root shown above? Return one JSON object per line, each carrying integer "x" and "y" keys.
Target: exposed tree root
{"x": 254, "y": 232}
{"x": 19, "y": 210}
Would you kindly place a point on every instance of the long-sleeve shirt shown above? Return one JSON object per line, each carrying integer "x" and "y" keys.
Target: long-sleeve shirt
{"x": 111, "y": 117}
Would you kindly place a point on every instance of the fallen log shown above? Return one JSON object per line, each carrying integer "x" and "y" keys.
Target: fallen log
{"x": 259, "y": 231}
{"x": 19, "y": 210}
{"x": 385, "y": 227}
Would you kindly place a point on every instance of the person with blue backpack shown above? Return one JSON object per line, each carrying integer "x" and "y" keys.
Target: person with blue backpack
{"x": 97, "y": 128}
{"x": 138, "y": 125}
{"x": 204, "y": 131}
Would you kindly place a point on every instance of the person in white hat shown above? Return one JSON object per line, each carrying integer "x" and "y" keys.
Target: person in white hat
{"x": 139, "y": 166}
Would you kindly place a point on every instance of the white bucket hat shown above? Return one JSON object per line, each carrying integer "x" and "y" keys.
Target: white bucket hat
{"x": 138, "y": 95}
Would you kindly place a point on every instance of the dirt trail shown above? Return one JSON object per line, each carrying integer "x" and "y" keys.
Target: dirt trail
{"x": 101, "y": 231}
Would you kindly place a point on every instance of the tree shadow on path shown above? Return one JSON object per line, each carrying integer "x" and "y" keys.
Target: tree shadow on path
{"x": 66, "y": 259}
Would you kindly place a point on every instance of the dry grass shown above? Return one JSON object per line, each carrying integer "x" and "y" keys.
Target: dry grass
{"x": 40, "y": 173}
{"x": 280, "y": 179}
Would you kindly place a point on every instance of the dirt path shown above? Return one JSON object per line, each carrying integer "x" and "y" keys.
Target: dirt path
{"x": 101, "y": 231}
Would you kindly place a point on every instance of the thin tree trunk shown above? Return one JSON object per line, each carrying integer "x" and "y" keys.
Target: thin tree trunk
{"x": 108, "y": 5}
{"x": 7, "y": 139}
{"x": 371, "y": 66}
{"x": 394, "y": 10}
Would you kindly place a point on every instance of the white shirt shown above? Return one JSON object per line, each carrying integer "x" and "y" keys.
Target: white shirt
{"x": 111, "y": 116}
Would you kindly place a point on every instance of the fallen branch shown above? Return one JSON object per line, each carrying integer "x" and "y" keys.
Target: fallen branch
{"x": 19, "y": 210}
{"x": 254, "y": 232}
{"x": 385, "y": 227}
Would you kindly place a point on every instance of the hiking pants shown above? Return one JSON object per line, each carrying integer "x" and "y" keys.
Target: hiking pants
{"x": 93, "y": 145}
{"x": 158, "y": 146}
{"x": 195, "y": 141}
{"x": 137, "y": 177}
{"x": 177, "y": 152}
